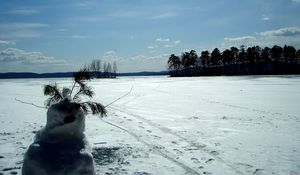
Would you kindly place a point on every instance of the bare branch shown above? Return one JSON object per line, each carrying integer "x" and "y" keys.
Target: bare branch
{"x": 30, "y": 104}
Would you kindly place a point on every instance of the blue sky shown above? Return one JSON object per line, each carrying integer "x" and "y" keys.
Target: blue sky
{"x": 62, "y": 35}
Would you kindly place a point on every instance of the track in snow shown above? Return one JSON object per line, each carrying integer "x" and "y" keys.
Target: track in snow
{"x": 188, "y": 169}
{"x": 199, "y": 148}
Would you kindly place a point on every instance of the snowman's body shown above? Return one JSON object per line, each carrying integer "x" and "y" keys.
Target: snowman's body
{"x": 60, "y": 148}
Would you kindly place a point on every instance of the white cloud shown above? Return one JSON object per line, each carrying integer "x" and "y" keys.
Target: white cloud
{"x": 288, "y": 31}
{"x": 15, "y": 59}
{"x": 25, "y": 34}
{"x": 21, "y": 56}
{"x": 242, "y": 38}
{"x": 152, "y": 47}
{"x": 164, "y": 15}
{"x": 7, "y": 42}
{"x": 20, "y": 34}
{"x": 296, "y": 1}
{"x": 177, "y": 42}
{"x": 137, "y": 63}
{"x": 168, "y": 45}
{"x": 21, "y": 25}
{"x": 23, "y": 11}
{"x": 125, "y": 14}
{"x": 79, "y": 36}
{"x": 237, "y": 41}
{"x": 282, "y": 36}
{"x": 111, "y": 52}
{"x": 162, "y": 39}
{"x": 88, "y": 19}
{"x": 21, "y": 30}
{"x": 163, "y": 43}
{"x": 86, "y": 4}
{"x": 111, "y": 56}
{"x": 62, "y": 30}
{"x": 265, "y": 17}
{"x": 109, "y": 16}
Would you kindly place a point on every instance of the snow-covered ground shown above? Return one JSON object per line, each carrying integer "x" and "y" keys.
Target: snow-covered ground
{"x": 199, "y": 125}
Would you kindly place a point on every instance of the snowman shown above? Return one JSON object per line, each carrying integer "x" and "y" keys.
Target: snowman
{"x": 61, "y": 148}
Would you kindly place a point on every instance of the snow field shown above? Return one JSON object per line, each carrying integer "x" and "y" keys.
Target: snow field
{"x": 198, "y": 125}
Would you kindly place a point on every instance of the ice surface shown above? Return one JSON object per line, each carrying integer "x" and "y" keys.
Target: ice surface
{"x": 198, "y": 125}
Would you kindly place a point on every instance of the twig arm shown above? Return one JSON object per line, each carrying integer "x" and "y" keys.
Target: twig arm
{"x": 30, "y": 104}
{"x": 119, "y": 98}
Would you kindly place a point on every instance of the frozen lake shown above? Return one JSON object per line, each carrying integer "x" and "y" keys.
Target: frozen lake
{"x": 197, "y": 125}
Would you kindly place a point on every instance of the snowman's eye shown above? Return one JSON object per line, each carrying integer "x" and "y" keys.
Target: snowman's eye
{"x": 77, "y": 106}
{"x": 69, "y": 119}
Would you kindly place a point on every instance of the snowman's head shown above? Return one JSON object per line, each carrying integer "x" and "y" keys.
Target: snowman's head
{"x": 66, "y": 120}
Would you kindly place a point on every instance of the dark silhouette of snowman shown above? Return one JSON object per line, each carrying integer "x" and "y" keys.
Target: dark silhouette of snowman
{"x": 60, "y": 148}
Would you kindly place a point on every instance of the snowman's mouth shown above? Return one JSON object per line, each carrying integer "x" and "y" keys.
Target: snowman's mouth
{"x": 69, "y": 119}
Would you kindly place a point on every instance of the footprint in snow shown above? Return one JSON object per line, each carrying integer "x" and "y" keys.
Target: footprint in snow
{"x": 5, "y": 133}
{"x": 191, "y": 148}
{"x": 195, "y": 160}
{"x": 156, "y": 136}
{"x": 209, "y": 160}
{"x": 178, "y": 151}
{"x": 215, "y": 153}
{"x": 11, "y": 168}
{"x": 245, "y": 165}
{"x": 100, "y": 143}
{"x": 257, "y": 171}
{"x": 141, "y": 173}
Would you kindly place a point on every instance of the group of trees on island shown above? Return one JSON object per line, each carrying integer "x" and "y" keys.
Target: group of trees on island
{"x": 237, "y": 61}
{"x": 99, "y": 70}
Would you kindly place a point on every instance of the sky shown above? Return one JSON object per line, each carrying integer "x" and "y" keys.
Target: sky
{"x": 63, "y": 35}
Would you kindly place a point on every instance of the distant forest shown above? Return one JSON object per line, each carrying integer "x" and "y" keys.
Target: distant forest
{"x": 99, "y": 70}
{"x": 237, "y": 61}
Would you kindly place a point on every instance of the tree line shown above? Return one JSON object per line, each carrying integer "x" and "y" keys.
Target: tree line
{"x": 98, "y": 69}
{"x": 237, "y": 61}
